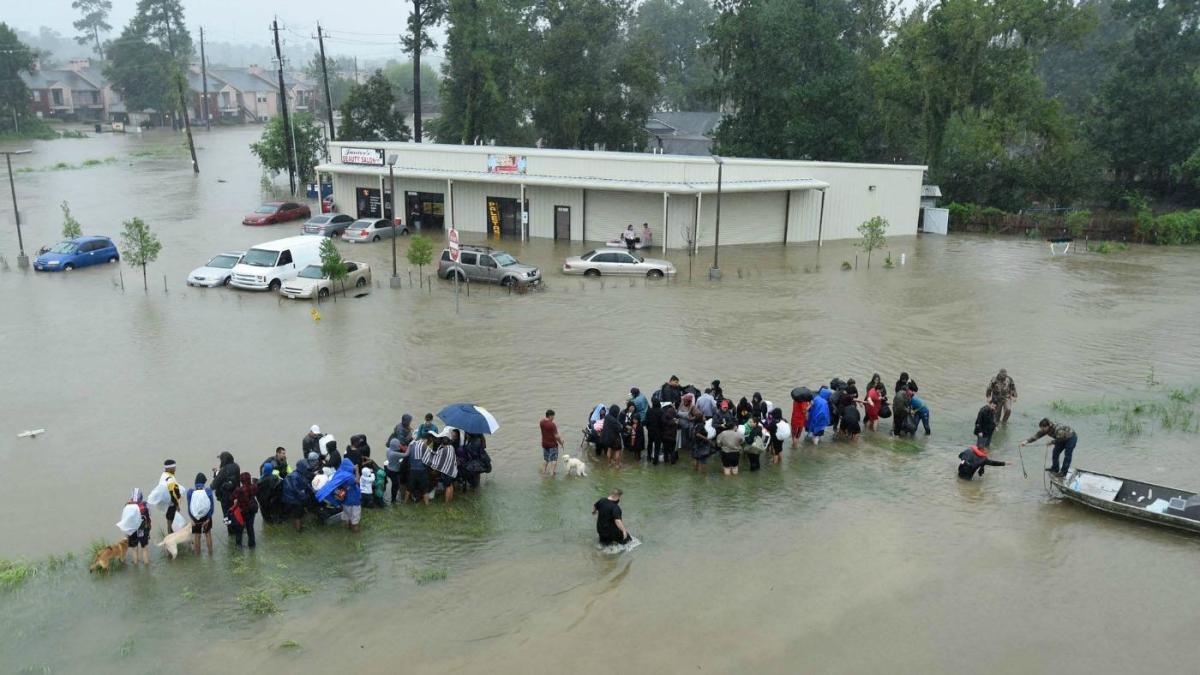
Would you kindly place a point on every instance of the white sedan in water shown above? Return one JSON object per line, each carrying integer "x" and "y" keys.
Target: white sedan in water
{"x": 215, "y": 272}
{"x": 311, "y": 281}
{"x": 609, "y": 262}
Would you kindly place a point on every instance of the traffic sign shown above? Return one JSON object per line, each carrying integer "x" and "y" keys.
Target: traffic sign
{"x": 454, "y": 248}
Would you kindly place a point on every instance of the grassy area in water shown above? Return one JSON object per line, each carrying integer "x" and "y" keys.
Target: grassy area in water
{"x": 13, "y": 573}
{"x": 1174, "y": 412}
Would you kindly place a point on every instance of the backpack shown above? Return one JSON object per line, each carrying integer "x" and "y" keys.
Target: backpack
{"x": 199, "y": 503}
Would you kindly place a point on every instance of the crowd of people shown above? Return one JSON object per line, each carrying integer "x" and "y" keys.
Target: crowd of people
{"x": 325, "y": 484}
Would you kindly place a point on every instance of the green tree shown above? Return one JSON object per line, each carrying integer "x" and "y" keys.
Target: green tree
{"x": 339, "y": 87}
{"x": 678, "y": 31}
{"x": 399, "y": 75}
{"x": 1145, "y": 114}
{"x": 332, "y": 265}
{"x": 590, "y": 83}
{"x": 425, "y": 15}
{"x": 162, "y": 22}
{"x": 420, "y": 253}
{"x": 481, "y": 94}
{"x": 71, "y": 227}
{"x": 271, "y": 150}
{"x": 139, "y": 246}
{"x": 369, "y": 113}
{"x": 795, "y": 78}
{"x": 140, "y": 71}
{"x": 872, "y": 232}
{"x": 15, "y": 58}
{"x": 93, "y": 20}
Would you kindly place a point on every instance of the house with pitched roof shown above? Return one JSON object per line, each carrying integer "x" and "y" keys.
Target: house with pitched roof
{"x": 77, "y": 92}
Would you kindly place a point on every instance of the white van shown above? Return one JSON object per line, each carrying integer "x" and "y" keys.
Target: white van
{"x": 269, "y": 264}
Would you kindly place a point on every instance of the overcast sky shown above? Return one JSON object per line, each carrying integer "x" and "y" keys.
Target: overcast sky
{"x": 366, "y": 28}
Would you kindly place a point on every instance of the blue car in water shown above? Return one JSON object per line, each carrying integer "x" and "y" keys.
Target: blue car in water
{"x": 77, "y": 252}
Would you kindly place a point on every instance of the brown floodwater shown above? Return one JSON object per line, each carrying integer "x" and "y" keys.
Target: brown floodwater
{"x": 855, "y": 557}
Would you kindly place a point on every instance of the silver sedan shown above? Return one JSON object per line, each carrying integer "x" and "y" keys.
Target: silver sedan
{"x": 607, "y": 263}
{"x": 371, "y": 229}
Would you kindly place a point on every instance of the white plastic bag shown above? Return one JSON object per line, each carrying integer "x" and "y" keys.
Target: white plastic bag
{"x": 783, "y": 431}
{"x": 709, "y": 430}
{"x": 131, "y": 519}
{"x": 200, "y": 505}
{"x": 159, "y": 497}
{"x": 180, "y": 522}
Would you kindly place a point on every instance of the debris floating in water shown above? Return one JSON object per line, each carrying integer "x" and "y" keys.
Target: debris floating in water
{"x": 31, "y": 433}
{"x": 613, "y": 549}
{"x": 315, "y": 314}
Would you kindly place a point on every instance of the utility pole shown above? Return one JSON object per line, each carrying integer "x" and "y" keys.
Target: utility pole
{"x": 287, "y": 122}
{"x": 714, "y": 272}
{"x": 416, "y": 62}
{"x": 204, "y": 83}
{"x": 325, "y": 77}
{"x": 22, "y": 259}
{"x": 355, "y": 70}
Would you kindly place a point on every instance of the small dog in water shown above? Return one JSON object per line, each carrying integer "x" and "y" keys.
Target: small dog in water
{"x": 575, "y": 466}
{"x": 106, "y": 555}
{"x": 178, "y": 538}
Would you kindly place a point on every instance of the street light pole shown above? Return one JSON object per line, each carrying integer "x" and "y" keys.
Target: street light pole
{"x": 391, "y": 162}
{"x": 714, "y": 272}
{"x": 22, "y": 259}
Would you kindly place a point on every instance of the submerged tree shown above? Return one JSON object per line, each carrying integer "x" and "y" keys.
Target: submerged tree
{"x": 71, "y": 227}
{"x": 420, "y": 253}
{"x": 872, "y": 233}
{"x": 139, "y": 245}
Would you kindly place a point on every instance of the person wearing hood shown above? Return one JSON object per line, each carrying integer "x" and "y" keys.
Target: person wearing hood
{"x": 359, "y": 451}
{"x": 420, "y": 453}
{"x": 225, "y": 481}
{"x": 139, "y": 538}
{"x": 799, "y": 420}
{"x": 366, "y": 486}
{"x": 244, "y": 508}
{"x": 774, "y": 444}
{"x": 903, "y": 421}
{"x": 743, "y": 411}
{"x": 758, "y": 406}
{"x": 610, "y": 436}
{"x": 685, "y": 416}
{"x": 298, "y": 494}
{"x": 330, "y": 457}
{"x": 200, "y": 510}
{"x": 973, "y": 461}
{"x": 818, "y": 416}
{"x": 427, "y": 425}
{"x": 403, "y": 432}
{"x": 668, "y": 431}
{"x": 270, "y": 493}
{"x": 343, "y": 489}
{"x": 985, "y": 424}
{"x": 473, "y": 461}
{"x": 309, "y": 442}
{"x": 631, "y": 431}
{"x": 653, "y": 431}
{"x": 396, "y": 453}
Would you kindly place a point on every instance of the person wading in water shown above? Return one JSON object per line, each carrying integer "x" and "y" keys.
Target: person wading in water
{"x": 1063, "y": 440}
{"x": 1002, "y": 391}
{"x": 609, "y": 525}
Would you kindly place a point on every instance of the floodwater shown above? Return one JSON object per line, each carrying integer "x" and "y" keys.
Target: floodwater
{"x": 867, "y": 557}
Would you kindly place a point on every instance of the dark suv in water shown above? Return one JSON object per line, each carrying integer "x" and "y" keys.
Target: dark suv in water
{"x": 482, "y": 263}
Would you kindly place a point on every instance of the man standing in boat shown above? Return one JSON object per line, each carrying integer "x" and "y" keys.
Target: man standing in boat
{"x": 1002, "y": 391}
{"x": 1063, "y": 438}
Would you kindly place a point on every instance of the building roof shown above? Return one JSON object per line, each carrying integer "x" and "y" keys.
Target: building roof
{"x": 692, "y": 124}
{"x": 58, "y": 77}
{"x": 586, "y": 182}
{"x": 292, "y": 79}
{"x": 240, "y": 79}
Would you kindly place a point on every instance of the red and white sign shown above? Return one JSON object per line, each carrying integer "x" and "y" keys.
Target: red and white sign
{"x": 454, "y": 248}
{"x": 367, "y": 156}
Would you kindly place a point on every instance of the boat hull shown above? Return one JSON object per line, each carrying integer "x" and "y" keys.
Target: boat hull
{"x": 1126, "y": 510}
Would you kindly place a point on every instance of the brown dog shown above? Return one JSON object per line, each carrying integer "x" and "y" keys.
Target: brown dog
{"x": 106, "y": 555}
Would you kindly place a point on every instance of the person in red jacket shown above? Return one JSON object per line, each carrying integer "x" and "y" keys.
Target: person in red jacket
{"x": 973, "y": 461}
{"x": 242, "y": 510}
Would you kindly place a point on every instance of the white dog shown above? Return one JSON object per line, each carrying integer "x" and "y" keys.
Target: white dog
{"x": 575, "y": 466}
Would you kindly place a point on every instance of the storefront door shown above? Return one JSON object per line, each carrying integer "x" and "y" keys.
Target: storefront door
{"x": 368, "y": 203}
{"x": 562, "y": 222}
{"x": 503, "y": 217}
{"x": 424, "y": 210}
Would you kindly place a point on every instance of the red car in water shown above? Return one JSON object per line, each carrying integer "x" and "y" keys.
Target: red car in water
{"x": 277, "y": 212}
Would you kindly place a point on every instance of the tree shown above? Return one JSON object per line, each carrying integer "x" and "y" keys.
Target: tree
{"x": 139, "y": 246}
{"x": 420, "y": 253}
{"x": 872, "y": 236}
{"x": 140, "y": 71}
{"x": 15, "y": 58}
{"x": 162, "y": 22}
{"x": 93, "y": 20}
{"x": 1145, "y": 114}
{"x": 271, "y": 150}
{"x": 369, "y": 113}
{"x": 591, "y": 83}
{"x": 481, "y": 94}
{"x": 815, "y": 57}
{"x": 71, "y": 227}
{"x": 332, "y": 265}
{"x": 400, "y": 76}
{"x": 678, "y": 31}
{"x": 425, "y": 15}
{"x": 339, "y": 87}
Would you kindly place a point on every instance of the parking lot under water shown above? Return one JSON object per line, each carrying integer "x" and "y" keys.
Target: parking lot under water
{"x": 853, "y": 557}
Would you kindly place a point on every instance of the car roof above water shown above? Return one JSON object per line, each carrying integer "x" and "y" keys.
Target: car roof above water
{"x": 289, "y": 242}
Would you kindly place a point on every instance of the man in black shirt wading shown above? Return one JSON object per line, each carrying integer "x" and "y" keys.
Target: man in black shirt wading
{"x": 609, "y": 525}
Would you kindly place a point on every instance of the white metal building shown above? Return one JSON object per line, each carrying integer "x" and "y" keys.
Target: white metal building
{"x": 592, "y": 196}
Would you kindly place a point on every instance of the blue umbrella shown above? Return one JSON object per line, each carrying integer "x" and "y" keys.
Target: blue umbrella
{"x": 469, "y": 418}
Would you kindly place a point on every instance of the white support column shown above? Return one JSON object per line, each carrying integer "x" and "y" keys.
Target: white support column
{"x": 382, "y": 193}
{"x": 524, "y": 216}
{"x": 666, "y": 196}
{"x": 696, "y": 225}
{"x": 448, "y": 207}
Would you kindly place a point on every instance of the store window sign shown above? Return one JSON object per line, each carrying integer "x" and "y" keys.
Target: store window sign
{"x": 506, "y": 164}
{"x": 368, "y": 156}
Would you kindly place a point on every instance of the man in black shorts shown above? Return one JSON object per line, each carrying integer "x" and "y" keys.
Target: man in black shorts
{"x": 609, "y": 525}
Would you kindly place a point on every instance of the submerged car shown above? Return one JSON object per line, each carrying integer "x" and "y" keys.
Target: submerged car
{"x": 482, "y": 263}
{"x": 371, "y": 229}
{"x": 328, "y": 224}
{"x": 276, "y": 212}
{"x": 217, "y": 271}
{"x": 597, "y": 263}
{"x": 78, "y": 252}
{"x": 311, "y": 281}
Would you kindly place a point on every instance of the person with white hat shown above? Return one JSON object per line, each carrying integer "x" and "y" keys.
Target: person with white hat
{"x": 309, "y": 442}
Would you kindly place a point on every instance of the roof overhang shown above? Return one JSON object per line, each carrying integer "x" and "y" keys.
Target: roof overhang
{"x": 582, "y": 182}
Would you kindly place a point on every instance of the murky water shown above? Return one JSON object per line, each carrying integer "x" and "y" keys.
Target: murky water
{"x": 866, "y": 558}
